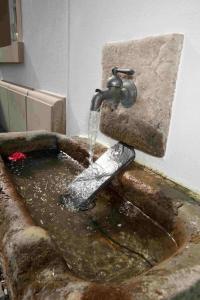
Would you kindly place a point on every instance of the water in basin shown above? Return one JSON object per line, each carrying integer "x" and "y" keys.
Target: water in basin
{"x": 110, "y": 243}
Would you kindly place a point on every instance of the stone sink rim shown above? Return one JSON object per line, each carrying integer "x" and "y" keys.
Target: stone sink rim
{"x": 177, "y": 275}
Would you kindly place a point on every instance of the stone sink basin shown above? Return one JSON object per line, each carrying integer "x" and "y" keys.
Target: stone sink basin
{"x": 141, "y": 241}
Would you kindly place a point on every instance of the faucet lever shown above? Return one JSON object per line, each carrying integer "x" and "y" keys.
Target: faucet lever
{"x": 116, "y": 70}
{"x": 98, "y": 91}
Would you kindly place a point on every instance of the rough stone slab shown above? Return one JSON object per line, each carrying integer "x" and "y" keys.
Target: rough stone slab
{"x": 155, "y": 60}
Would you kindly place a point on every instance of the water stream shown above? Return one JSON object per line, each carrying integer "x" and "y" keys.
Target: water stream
{"x": 93, "y": 128}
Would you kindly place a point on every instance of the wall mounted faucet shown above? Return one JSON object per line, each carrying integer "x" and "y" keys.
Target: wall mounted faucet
{"x": 118, "y": 91}
{"x": 81, "y": 192}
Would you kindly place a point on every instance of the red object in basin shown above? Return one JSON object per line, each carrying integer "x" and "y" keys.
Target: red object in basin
{"x": 17, "y": 156}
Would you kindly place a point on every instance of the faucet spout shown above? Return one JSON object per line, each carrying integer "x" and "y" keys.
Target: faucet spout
{"x": 98, "y": 99}
{"x": 82, "y": 191}
{"x": 96, "y": 102}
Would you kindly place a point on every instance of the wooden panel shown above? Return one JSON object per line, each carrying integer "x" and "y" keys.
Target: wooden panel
{"x": 4, "y": 110}
{"x": 45, "y": 111}
{"x": 17, "y": 110}
{"x": 39, "y": 115}
{"x": 24, "y": 109}
{"x": 12, "y": 107}
{"x": 5, "y": 36}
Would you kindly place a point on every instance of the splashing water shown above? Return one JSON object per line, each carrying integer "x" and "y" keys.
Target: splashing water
{"x": 82, "y": 191}
{"x": 93, "y": 128}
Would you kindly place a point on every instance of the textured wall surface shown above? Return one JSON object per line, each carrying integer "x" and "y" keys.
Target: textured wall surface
{"x": 155, "y": 60}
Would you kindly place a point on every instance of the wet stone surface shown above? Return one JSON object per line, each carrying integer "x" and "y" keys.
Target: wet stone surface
{"x": 109, "y": 243}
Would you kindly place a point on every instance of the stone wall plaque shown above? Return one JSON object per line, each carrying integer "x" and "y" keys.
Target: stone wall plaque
{"x": 155, "y": 60}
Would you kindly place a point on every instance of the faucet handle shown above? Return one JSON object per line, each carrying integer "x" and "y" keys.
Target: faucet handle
{"x": 115, "y": 80}
{"x": 116, "y": 70}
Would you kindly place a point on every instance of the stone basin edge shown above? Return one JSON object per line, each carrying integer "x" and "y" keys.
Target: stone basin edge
{"x": 35, "y": 270}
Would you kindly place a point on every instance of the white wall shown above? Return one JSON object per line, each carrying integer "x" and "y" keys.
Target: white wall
{"x": 45, "y": 33}
{"x": 94, "y": 22}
